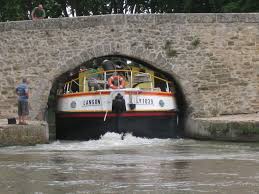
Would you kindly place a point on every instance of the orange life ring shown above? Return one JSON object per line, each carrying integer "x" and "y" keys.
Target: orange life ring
{"x": 120, "y": 80}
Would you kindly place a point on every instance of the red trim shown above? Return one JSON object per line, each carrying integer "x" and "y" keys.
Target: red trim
{"x": 126, "y": 114}
{"x": 108, "y": 92}
{"x": 150, "y": 93}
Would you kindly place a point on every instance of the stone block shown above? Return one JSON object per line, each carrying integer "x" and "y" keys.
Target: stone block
{"x": 143, "y": 19}
{"x": 231, "y": 18}
{"x": 178, "y": 18}
{"x": 252, "y": 18}
{"x": 34, "y": 133}
{"x": 227, "y": 128}
{"x": 201, "y": 18}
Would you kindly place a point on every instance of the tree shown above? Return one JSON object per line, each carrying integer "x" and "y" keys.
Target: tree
{"x": 11, "y": 10}
{"x": 249, "y": 5}
{"x": 21, "y": 9}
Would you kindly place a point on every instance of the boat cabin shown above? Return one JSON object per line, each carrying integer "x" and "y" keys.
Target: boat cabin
{"x": 105, "y": 77}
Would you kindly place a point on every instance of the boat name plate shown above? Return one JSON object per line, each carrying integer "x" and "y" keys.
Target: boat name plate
{"x": 91, "y": 102}
{"x": 144, "y": 101}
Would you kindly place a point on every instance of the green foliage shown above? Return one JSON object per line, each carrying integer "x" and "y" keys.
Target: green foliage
{"x": 249, "y": 5}
{"x": 21, "y": 9}
{"x": 11, "y": 10}
{"x": 231, "y": 7}
{"x": 170, "y": 52}
{"x": 247, "y": 129}
{"x": 195, "y": 42}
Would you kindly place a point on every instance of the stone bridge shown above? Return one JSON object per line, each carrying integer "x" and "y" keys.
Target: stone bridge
{"x": 213, "y": 58}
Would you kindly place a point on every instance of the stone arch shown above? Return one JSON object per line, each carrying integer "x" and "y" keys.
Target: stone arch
{"x": 158, "y": 61}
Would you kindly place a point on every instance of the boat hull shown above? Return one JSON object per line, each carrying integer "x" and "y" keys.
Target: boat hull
{"x": 92, "y": 125}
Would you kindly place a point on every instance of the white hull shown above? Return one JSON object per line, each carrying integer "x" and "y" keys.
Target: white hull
{"x": 101, "y": 101}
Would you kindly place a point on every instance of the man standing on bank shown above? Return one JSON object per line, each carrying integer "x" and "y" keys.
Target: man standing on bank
{"x": 22, "y": 92}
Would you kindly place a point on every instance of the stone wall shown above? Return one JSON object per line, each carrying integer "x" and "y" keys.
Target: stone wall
{"x": 242, "y": 127}
{"x": 213, "y": 57}
{"x": 36, "y": 132}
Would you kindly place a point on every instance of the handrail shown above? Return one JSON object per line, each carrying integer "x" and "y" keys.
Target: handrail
{"x": 72, "y": 80}
{"x": 112, "y": 71}
{"x": 68, "y": 84}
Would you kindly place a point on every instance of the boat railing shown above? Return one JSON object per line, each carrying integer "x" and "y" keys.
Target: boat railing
{"x": 132, "y": 79}
{"x": 71, "y": 86}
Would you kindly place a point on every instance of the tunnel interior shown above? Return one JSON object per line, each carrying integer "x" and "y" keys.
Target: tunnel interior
{"x": 117, "y": 59}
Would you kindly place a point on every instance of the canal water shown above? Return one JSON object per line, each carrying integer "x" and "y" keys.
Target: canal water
{"x": 132, "y": 165}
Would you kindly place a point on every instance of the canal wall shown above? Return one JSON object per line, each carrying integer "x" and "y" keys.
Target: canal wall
{"x": 243, "y": 127}
{"x": 36, "y": 132}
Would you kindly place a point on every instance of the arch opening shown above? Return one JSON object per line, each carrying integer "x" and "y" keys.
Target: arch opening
{"x": 117, "y": 60}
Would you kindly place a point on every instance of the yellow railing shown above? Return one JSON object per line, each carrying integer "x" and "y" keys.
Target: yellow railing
{"x": 70, "y": 86}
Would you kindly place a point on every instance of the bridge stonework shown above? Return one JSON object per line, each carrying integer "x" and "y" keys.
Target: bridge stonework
{"x": 213, "y": 57}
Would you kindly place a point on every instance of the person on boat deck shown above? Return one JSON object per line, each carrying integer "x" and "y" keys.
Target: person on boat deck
{"x": 22, "y": 92}
{"x": 93, "y": 79}
{"x": 109, "y": 67}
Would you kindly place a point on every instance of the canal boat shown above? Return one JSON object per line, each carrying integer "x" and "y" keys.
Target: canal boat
{"x": 121, "y": 99}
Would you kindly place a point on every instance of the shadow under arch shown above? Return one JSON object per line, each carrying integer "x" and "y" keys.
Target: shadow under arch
{"x": 180, "y": 97}
{"x": 181, "y": 101}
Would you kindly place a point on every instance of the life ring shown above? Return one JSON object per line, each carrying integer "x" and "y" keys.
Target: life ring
{"x": 120, "y": 79}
